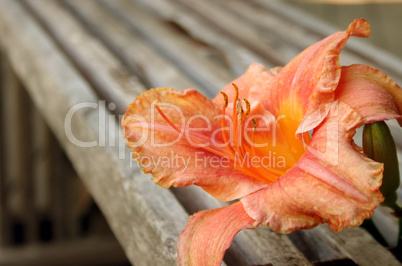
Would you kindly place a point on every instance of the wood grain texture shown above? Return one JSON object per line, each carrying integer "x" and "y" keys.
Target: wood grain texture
{"x": 143, "y": 222}
{"x": 360, "y": 246}
{"x": 257, "y": 251}
{"x": 156, "y": 69}
{"x": 237, "y": 57}
{"x": 173, "y": 10}
{"x": 174, "y": 46}
{"x": 245, "y": 33}
{"x": 260, "y": 253}
{"x": 356, "y": 49}
{"x": 104, "y": 72}
{"x": 88, "y": 52}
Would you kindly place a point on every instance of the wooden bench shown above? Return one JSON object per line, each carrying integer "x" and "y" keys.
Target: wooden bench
{"x": 83, "y": 62}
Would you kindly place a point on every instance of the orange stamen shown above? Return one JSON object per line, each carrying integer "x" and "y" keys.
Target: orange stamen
{"x": 238, "y": 118}
{"x": 234, "y": 116}
{"x": 236, "y": 91}
{"x": 253, "y": 137}
{"x": 247, "y": 106}
{"x": 225, "y": 99}
{"x": 245, "y": 114}
{"x": 241, "y": 119}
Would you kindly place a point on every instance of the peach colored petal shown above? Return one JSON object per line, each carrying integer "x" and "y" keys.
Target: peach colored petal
{"x": 359, "y": 28}
{"x": 185, "y": 158}
{"x": 247, "y": 82}
{"x": 311, "y": 78}
{"x": 371, "y": 93}
{"x": 332, "y": 183}
{"x": 277, "y": 131}
{"x": 209, "y": 233}
{"x": 325, "y": 179}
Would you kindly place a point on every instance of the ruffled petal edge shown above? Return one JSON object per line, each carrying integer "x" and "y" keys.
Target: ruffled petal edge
{"x": 208, "y": 234}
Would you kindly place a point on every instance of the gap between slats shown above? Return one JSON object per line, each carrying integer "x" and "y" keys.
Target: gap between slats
{"x": 277, "y": 255}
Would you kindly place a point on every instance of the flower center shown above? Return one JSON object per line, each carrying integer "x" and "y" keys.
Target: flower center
{"x": 243, "y": 147}
{"x": 263, "y": 154}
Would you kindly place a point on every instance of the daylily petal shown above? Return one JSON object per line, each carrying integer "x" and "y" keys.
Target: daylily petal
{"x": 185, "y": 158}
{"x": 209, "y": 233}
{"x": 371, "y": 93}
{"x": 325, "y": 186}
{"x": 252, "y": 84}
{"x": 311, "y": 78}
{"x": 325, "y": 178}
{"x": 276, "y": 132}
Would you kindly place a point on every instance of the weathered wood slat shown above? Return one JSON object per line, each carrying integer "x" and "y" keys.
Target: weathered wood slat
{"x": 174, "y": 46}
{"x": 263, "y": 247}
{"x": 387, "y": 224}
{"x": 162, "y": 8}
{"x": 156, "y": 70}
{"x": 261, "y": 252}
{"x": 154, "y": 217}
{"x": 100, "y": 67}
{"x": 354, "y": 243}
{"x": 360, "y": 246}
{"x": 236, "y": 56}
{"x": 299, "y": 34}
{"x": 289, "y": 38}
{"x": 251, "y": 26}
{"x": 368, "y": 53}
{"x": 178, "y": 194}
{"x": 316, "y": 246}
{"x": 294, "y": 27}
{"x": 149, "y": 53}
{"x": 241, "y": 30}
{"x": 270, "y": 24}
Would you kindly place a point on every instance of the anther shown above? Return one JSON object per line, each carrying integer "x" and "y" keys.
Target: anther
{"x": 247, "y": 106}
{"x": 225, "y": 99}
{"x": 237, "y": 91}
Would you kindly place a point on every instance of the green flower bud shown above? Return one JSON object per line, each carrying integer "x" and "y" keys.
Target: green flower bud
{"x": 379, "y": 145}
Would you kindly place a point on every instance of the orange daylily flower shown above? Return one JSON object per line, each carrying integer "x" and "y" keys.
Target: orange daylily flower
{"x": 252, "y": 143}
